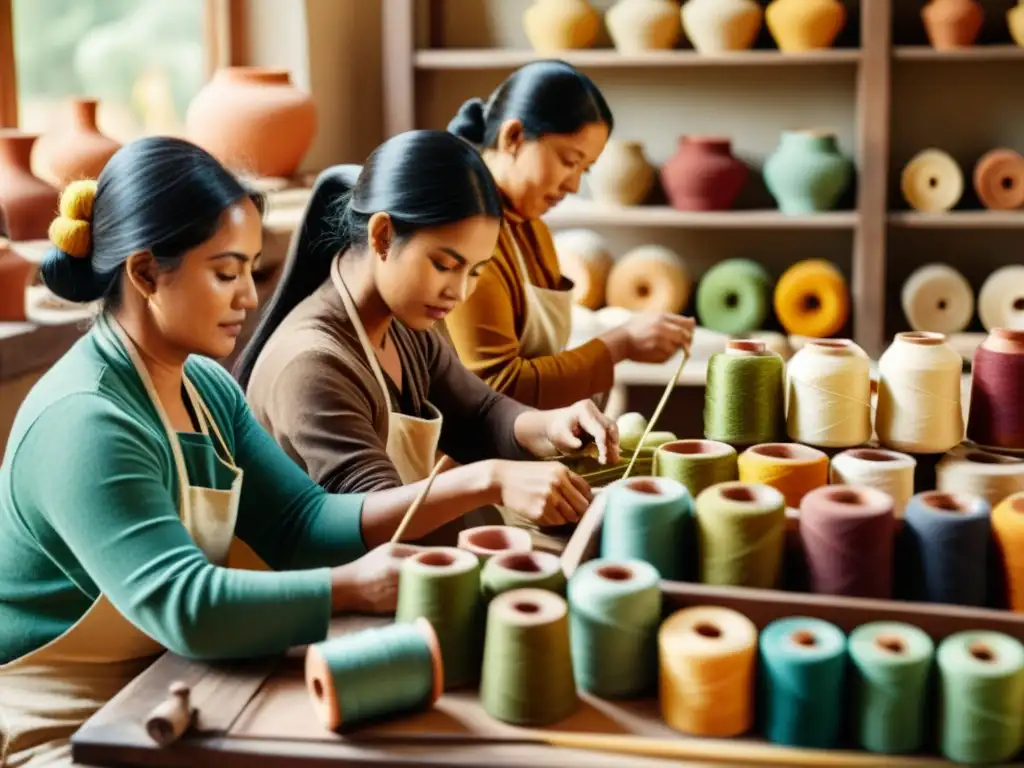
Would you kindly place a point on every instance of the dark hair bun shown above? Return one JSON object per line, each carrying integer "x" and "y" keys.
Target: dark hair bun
{"x": 71, "y": 278}
{"x": 469, "y": 123}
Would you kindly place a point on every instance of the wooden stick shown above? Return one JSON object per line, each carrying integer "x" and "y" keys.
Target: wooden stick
{"x": 657, "y": 412}
{"x": 442, "y": 464}
{"x": 171, "y": 717}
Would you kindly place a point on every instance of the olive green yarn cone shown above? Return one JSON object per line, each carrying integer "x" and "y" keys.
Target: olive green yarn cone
{"x": 527, "y": 672}
{"x": 442, "y": 585}
{"x": 519, "y": 570}
{"x": 744, "y": 399}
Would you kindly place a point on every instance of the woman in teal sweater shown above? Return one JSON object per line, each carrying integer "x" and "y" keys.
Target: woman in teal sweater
{"x": 121, "y": 492}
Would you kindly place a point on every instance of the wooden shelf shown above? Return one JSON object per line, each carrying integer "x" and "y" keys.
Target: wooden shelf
{"x": 958, "y": 220}
{"x": 489, "y": 58}
{"x": 584, "y": 213}
{"x": 974, "y": 53}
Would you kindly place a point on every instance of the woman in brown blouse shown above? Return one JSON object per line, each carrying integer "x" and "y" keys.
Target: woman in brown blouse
{"x": 539, "y": 132}
{"x": 347, "y": 374}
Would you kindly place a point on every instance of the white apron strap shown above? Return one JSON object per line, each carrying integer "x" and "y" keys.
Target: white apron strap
{"x": 364, "y": 340}
{"x": 206, "y": 421}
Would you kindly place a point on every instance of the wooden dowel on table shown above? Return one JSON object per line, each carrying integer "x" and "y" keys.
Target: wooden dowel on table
{"x": 171, "y": 718}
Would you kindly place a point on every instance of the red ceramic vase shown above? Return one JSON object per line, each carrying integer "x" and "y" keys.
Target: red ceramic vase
{"x": 29, "y": 204}
{"x": 703, "y": 175}
{"x": 75, "y": 151}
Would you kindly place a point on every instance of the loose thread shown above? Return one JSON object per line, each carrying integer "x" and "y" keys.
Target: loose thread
{"x": 982, "y": 693}
{"x": 527, "y": 673}
{"x": 706, "y": 660}
{"x": 615, "y": 610}
{"x": 803, "y": 661}
{"x": 657, "y": 411}
{"x": 442, "y": 585}
{"x": 647, "y": 518}
{"x": 891, "y": 662}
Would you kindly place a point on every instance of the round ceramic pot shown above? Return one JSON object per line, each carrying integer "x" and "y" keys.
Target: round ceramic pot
{"x": 703, "y": 175}
{"x": 76, "y": 151}
{"x": 805, "y": 25}
{"x": 952, "y": 24}
{"x": 559, "y": 25}
{"x": 643, "y": 25}
{"x": 716, "y": 26}
{"x": 254, "y": 120}
{"x": 807, "y": 173}
{"x": 622, "y": 174}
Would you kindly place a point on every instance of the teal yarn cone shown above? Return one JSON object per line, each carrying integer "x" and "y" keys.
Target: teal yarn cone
{"x": 744, "y": 398}
{"x": 375, "y": 673}
{"x": 733, "y": 296}
{"x": 442, "y": 585}
{"x": 614, "y": 614}
{"x": 527, "y": 672}
{"x": 981, "y": 678}
{"x": 803, "y": 665}
{"x": 891, "y": 664}
{"x": 519, "y": 570}
{"x": 647, "y": 518}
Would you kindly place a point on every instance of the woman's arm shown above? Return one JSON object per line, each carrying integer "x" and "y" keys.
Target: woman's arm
{"x": 93, "y": 481}
{"x": 483, "y": 331}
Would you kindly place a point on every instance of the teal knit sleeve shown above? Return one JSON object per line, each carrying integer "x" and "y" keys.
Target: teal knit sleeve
{"x": 104, "y": 485}
{"x": 287, "y": 519}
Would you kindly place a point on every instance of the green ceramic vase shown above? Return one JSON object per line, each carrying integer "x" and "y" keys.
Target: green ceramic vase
{"x": 807, "y": 173}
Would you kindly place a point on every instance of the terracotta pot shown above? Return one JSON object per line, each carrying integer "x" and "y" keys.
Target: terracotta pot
{"x": 643, "y": 25}
{"x": 77, "y": 151}
{"x": 715, "y": 26}
{"x": 15, "y": 274}
{"x": 254, "y": 120}
{"x": 952, "y": 23}
{"x": 1015, "y": 21}
{"x": 622, "y": 174}
{"x": 703, "y": 175}
{"x": 29, "y": 204}
{"x": 559, "y": 25}
{"x": 805, "y": 25}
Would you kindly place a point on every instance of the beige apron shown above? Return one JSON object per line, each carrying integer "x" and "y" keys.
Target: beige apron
{"x": 46, "y": 695}
{"x": 412, "y": 442}
{"x": 547, "y": 327}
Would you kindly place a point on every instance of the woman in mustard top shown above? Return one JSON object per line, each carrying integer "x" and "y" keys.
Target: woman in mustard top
{"x": 539, "y": 132}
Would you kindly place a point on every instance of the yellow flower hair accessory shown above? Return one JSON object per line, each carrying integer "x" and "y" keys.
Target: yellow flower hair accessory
{"x": 71, "y": 232}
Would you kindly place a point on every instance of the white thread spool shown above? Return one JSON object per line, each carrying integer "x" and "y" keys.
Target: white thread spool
{"x": 584, "y": 258}
{"x": 974, "y": 472}
{"x": 888, "y": 471}
{"x": 919, "y": 408}
{"x": 1001, "y": 299}
{"x": 828, "y": 394}
{"x": 937, "y": 298}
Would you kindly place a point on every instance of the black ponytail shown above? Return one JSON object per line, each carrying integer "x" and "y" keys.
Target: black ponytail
{"x": 419, "y": 178}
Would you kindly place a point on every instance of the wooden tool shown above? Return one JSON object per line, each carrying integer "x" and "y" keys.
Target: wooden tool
{"x": 442, "y": 464}
{"x": 171, "y": 717}
{"x": 657, "y": 412}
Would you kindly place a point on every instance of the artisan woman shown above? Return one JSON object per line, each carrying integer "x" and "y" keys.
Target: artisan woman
{"x": 122, "y": 491}
{"x": 347, "y": 373}
{"x": 539, "y": 132}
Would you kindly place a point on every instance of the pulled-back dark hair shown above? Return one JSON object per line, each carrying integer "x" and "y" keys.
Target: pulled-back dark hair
{"x": 157, "y": 194}
{"x": 419, "y": 178}
{"x": 548, "y": 96}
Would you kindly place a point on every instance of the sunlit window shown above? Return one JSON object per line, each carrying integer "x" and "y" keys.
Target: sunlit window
{"x": 143, "y": 59}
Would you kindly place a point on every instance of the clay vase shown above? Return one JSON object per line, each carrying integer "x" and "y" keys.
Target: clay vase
{"x": 1015, "y": 22}
{"x": 15, "y": 274}
{"x": 75, "y": 151}
{"x": 805, "y": 25}
{"x": 254, "y": 120}
{"x": 807, "y": 173}
{"x": 643, "y": 25}
{"x": 703, "y": 175}
{"x": 559, "y": 25}
{"x": 716, "y": 26}
{"x": 952, "y": 24}
{"x": 622, "y": 174}
{"x": 29, "y": 204}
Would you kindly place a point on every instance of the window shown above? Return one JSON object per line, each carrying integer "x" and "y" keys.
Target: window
{"x": 143, "y": 59}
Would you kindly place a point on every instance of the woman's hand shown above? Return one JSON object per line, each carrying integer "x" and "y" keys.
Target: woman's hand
{"x": 650, "y": 338}
{"x": 370, "y": 584}
{"x": 546, "y": 492}
{"x": 565, "y": 430}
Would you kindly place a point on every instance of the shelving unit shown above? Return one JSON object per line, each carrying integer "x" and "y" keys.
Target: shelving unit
{"x": 422, "y": 45}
